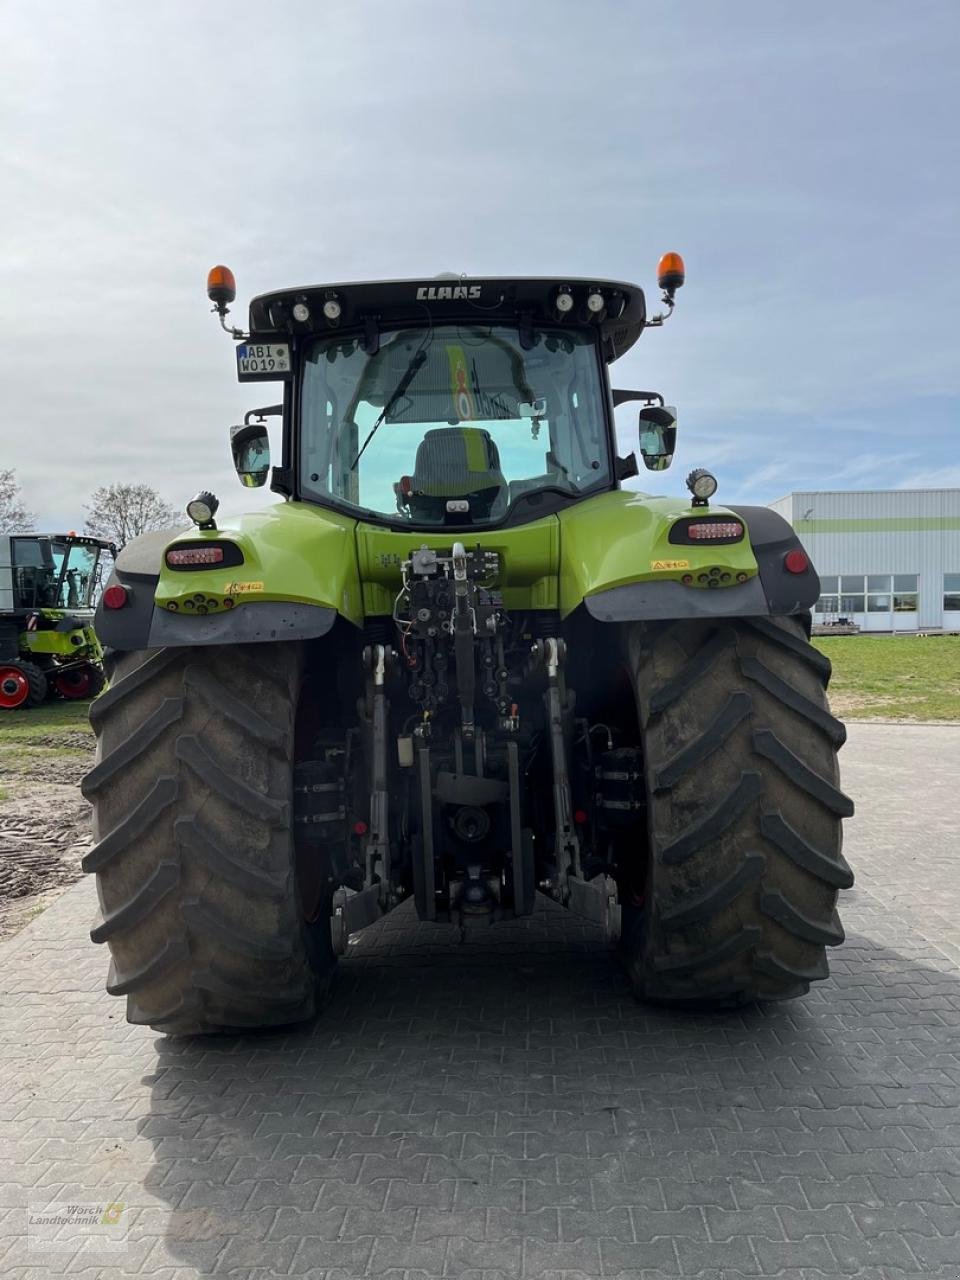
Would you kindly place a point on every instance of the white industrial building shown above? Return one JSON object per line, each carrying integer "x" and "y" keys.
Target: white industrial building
{"x": 888, "y": 559}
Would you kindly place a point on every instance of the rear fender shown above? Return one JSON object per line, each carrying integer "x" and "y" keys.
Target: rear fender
{"x": 618, "y": 561}
{"x": 293, "y": 570}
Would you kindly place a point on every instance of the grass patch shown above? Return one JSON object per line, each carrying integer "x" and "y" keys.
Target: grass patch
{"x": 33, "y": 741}
{"x": 42, "y": 721}
{"x": 894, "y": 677}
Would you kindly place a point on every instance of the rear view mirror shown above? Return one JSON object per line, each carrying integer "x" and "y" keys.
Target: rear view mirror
{"x": 250, "y": 446}
{"x": 658, "y": 436}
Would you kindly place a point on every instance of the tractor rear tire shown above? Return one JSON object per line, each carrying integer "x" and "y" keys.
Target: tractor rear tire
{"x": 744, "y": 810}
{"x": 192, "y": 791}
{"x": 22, "y": 685}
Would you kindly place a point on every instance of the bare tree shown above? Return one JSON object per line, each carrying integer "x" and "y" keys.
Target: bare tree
{"x": 14, "y": 517}
{"x": 120, "y": 512}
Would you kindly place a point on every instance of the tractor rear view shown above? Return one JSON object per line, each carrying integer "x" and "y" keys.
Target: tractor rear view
{"x": 459, "y": 663}
{"x": 48, "y": 647}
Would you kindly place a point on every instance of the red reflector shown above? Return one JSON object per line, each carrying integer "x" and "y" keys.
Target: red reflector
{"x": 796, "y": 561}
{"x": 195, "y": 555}
{"x": 580, "y": 816}
{"x": 114, "y": 597}
{"x": 360, "y": 828}
{"x": 704, "y": 530}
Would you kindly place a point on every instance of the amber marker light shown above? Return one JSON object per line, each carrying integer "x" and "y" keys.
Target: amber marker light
{"x": 670, "y": 272}
{"x": 221, "y": 286}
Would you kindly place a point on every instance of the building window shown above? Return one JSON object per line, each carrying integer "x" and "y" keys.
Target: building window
{"x": 904, "y": 593}
{"x": 951, "y": 591}
{"x": 876, "y": 593}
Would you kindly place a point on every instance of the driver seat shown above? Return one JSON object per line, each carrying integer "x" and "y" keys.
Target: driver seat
{"x": 456, "y": 462}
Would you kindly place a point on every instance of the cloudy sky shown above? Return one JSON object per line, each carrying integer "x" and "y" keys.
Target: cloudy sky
{"x": 803, "y": 158}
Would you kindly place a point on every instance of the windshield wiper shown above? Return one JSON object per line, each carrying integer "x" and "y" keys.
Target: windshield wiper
{"x": 411, "y": 371}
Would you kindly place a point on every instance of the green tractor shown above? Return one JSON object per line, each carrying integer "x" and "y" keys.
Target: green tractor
{"x": 48, "y": 646}
{"x": 459, "y": 662}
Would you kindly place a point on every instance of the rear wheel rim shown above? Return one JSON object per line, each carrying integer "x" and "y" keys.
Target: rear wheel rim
{"x": 74, "y": 684}
{"x": 14, "y": 688}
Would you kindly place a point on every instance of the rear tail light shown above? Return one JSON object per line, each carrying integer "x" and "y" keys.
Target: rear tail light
{"x": 709, "y": 530}
{"x": 195, "y": 555}
{"x": 115, "y": 597}
{"x": 700, "y": 529}
{"x": 796, "y": 561}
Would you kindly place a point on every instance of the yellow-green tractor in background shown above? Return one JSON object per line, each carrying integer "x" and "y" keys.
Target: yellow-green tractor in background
{"x": 48, "y": 647}
{"x": 459, "y": 663}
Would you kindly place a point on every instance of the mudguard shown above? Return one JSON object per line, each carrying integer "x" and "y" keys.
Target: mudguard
{"x": 289, "y": 571}
{"x": 618, "y": 560}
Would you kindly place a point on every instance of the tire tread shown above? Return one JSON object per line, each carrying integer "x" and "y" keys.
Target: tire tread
{"x": 744, "y": 809}
{"x": 194, "y": 857}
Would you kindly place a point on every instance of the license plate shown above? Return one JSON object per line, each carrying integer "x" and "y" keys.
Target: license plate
{"x": 263, "y": 360}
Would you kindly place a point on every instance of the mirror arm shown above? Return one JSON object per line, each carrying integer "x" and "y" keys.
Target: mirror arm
{"x": 271, "y": 411}
{"x": 648, "y": 397}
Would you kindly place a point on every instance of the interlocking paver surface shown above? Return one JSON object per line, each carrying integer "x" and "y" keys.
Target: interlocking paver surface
{"x": 504, "y": 1109}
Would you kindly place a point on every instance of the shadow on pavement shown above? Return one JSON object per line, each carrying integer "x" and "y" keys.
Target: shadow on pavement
{"x": 506, "y": 1107}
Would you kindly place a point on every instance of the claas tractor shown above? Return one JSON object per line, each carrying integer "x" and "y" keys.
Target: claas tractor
{"x": 48, "y": 647}
{"x": 459, "y": 662}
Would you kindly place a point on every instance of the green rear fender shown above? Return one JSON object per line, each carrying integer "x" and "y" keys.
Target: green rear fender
{"x": 294, "y": 572}
{"x": 291, "y": 552}
{"x": 622, "y": 538}
{"x": 618, "y": 561}
{"x": 299, "y": 567}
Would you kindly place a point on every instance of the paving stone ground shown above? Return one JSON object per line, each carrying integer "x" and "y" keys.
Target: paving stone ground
{"x": 503, "y": 1109}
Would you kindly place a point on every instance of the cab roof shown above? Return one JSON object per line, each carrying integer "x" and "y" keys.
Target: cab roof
{"x": 372, "y": 304}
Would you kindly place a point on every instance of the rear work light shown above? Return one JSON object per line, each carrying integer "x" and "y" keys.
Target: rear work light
{"x": 195, "y": 555}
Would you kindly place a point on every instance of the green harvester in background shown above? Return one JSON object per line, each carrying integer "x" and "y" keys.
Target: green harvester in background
{"x": 48, "y": 647}
{"x": 459, "y": 664}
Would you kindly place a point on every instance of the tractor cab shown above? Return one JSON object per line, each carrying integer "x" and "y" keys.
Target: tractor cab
{"x": 461, "y": 404}
{"x": 51, "y": 571}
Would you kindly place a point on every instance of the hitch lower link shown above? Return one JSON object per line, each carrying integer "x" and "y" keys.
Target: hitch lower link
{"x": 353, "y": 910}
{"x": 596, "y": 900}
